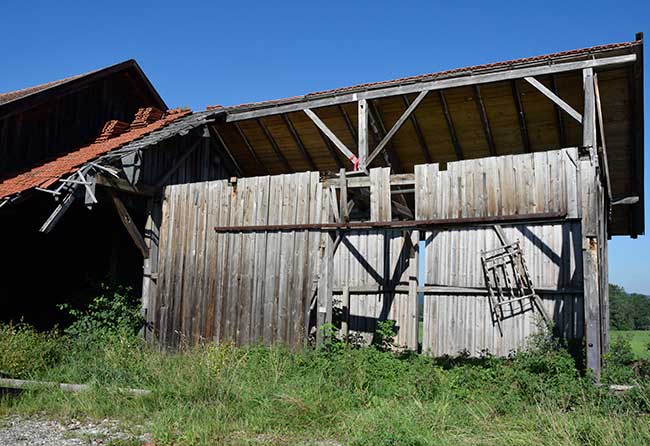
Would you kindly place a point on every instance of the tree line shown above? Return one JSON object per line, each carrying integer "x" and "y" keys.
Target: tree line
{"x": 628, "y": 311}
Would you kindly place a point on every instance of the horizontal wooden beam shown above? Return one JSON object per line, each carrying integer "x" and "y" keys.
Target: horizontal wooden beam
{"x": 403, "y": 224}
{"x": 415, "y": 87}
{"x": 555, "y": 98}
{"x": 123, "y": 185}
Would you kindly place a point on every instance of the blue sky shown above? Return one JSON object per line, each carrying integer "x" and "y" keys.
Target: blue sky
{"x": 206, "y": 53}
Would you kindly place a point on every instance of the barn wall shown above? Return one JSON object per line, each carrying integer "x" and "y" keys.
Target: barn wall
{"x": 264, "y": 286}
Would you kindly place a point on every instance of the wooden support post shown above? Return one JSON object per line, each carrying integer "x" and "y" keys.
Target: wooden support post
{"x": 325, "y": 277}
{"x": 345, "y": 322}
{"x": 150, "y": 265}
{"x": 412, "y": 341}
{"x": 590, "y": 235}
{"x": 130, "y": 225}
{"x": 344, "y": 214}
{"x": 363, "y": 134}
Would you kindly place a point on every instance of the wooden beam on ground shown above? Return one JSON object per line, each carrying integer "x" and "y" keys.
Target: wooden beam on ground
{"x": 22, "y": 384}
{"x": 274, "y": 145}
{"x": 450, "y": 126}
{"x": 521, "y": 116}
{"x": 487, "y": 130}
{"x": 555, "y": 98}
{"x": 298, "y": 140}
{"x": 559, "y": 116}
{"x": 439, "y": 84}
{"x": 250, "y": 148}
{"x": 363, "y": 134}
{"x": 402, "y": 119}
{"x": 337, "y": 142}
{"x": 128, "y": 223}
{"x": 123, "y": 185}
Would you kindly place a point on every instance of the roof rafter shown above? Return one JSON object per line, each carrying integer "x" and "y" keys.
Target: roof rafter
{"x": 521, "y": 116}
{"x": 418, "y": 132}
{"x": 450, "y": 125}
{"x": 559, "y": 116}
{"x": 250, "y": 148}
{"x": 480, "y": 105}
{"x": 274, "y": 145}
{"x": 298, "y": 141}
{"x": 330, "y": 134}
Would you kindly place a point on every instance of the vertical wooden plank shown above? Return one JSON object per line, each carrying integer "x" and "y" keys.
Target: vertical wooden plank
{"x": 260, "y": 252}
{"x": 324, "y": 304}
{"x": 363, "y": 133}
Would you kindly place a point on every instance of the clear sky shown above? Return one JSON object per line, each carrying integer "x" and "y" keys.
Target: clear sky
{"x": 206, "y": 53}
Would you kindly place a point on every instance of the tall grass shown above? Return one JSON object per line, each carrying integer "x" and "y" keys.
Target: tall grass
{"x": 221, "y": 394}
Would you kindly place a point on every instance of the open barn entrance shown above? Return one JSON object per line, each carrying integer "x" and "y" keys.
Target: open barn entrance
{"x": 41, "y": 271}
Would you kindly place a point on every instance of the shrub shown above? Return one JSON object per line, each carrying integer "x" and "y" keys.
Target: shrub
{"x": 24, "y": 352}
{"x": 114, "y": 308}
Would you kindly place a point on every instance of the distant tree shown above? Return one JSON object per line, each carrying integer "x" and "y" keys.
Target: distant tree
{"x": 628, "y": 311}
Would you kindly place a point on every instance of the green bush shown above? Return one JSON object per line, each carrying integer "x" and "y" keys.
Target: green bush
{"x": 114, "y": 308}
{"x": 24, "y": 352}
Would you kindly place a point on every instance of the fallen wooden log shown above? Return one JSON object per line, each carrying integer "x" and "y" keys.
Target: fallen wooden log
{"x": 22, "y": 384}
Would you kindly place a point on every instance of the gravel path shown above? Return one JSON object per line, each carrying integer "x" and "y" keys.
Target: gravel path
{"x": 21, "y": 431}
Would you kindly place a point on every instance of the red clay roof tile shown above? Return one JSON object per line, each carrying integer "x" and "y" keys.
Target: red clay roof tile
{"x": 52, "y": 170}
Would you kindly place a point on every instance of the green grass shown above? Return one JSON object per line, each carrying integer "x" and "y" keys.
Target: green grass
{"x": 639, "y": 339}
{"x": 209, "y": 394}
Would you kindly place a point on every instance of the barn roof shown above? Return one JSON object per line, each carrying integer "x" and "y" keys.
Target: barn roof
{"x": 15, "y": 101}
{"x": 50, "y": 171}
{"x": 471, "y": 112}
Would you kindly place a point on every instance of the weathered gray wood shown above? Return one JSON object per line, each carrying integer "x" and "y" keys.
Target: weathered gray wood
{"x": 128, "y": 223}
{"x": 603, "y": 145}
{"x": 58, "y": 212}
{"x": 555, "y": 98}
{"x": 470, "y": 79}
{"x": 590, "y": 236}
{"x": 22, "y": 384}
{"x": 363, "y": 133}
{"x": 402, "y": 119}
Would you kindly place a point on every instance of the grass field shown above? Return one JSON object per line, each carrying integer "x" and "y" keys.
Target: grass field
{"x": 209, "y": 394}
{"x": 640, "y": 341}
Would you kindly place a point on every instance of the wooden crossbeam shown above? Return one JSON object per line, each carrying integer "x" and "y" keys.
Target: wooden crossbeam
{"x": 123, "y": 185}
{"x": 402, "y": 119}
{"x": 485, "y": 122}
{"x": 450, "y": 126}
{"x": 337, "y": 142}
{"x": 523, "y": 127}
{"x": 439, "y": 84}
{"x": 299, "y": 143}
{"x": 274, "y": 145}
{"x": 555, "y": 98}
{"x": 418, "y": 132}
{"x": 128, "y": 223}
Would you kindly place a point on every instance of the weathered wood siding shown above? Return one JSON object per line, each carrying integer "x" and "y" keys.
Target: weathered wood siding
{"x": 510, "y": 185}
{"x": 268, "y": 286}
{"x": 241, "y": 288}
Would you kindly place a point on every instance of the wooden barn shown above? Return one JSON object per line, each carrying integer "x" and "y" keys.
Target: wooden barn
{"x": 477, "y": 200}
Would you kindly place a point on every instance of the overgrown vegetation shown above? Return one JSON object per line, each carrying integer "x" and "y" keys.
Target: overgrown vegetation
{"x": 220, "y": 394}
